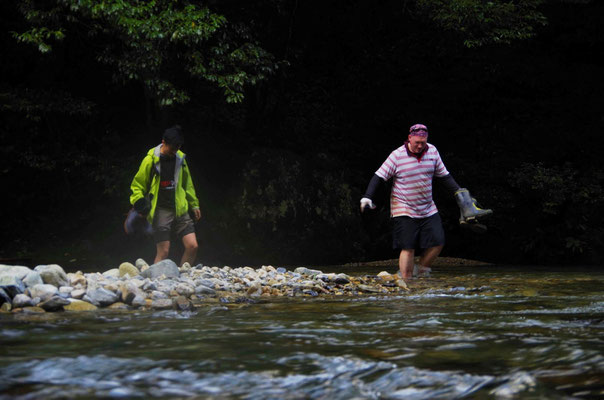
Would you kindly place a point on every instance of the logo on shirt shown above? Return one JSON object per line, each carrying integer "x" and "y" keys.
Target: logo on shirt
{"x": 167, "y": 185}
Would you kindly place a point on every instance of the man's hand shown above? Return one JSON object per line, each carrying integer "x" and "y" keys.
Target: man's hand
{"x": 197, "y": 214}
{"x": 365, "y": 202}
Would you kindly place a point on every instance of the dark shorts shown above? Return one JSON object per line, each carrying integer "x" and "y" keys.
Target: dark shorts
{"x": 165, "y": 222}
{"x": 412, "y": 233}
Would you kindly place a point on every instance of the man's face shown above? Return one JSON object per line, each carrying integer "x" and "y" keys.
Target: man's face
{"x": 169, "y": 149}
{"x": 417, "y": 143}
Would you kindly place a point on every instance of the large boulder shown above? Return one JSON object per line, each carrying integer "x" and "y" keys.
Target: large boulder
{"x": 33, "y": 278}
{"x": 11, "y": 284}
{"x": 164, "y": 267}
{"x": 53, "y": 275}
{"x": 44, "y": 291}
{"x": 4, "y": 297}
{"x": 16, "y": 270}
{"x": 22, "y": 300}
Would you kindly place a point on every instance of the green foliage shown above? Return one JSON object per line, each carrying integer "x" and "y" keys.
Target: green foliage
{"x": 153, "y": 42}
{"x": 481, "y": 22}
{"x": 291, "y": 201}
{"x": 564, "y": 205}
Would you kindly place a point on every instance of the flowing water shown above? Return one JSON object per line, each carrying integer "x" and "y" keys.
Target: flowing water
{"x": 479, "y": 332}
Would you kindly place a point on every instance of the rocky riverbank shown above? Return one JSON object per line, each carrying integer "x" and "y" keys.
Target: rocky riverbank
{"x": 164, "y": 285}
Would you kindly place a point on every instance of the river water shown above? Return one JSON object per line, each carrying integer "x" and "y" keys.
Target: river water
{"x": 466, "y": 332}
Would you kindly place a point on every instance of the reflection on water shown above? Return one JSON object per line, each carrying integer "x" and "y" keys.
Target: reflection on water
{"x": 496, "y": 332}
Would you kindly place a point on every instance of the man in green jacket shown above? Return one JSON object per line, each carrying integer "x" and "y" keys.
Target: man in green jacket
{"x": 165, "y": 176}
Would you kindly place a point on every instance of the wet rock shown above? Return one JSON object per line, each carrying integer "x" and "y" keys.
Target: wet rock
{"x": 255, "y": 289}
{"x": 182, "y": 303}
{"x": 161, "y": 304}
{"x": 164, "y": 267}
{"x": 307, "y": 271}
{"x": 129, "y": 291}
{"x": 157, "y": 295}
{"x": 118, "y": 306}
{"x": 386, "y": 277}
{"x": 43, "y": 291}
{"x": 204, "y": 290}
{"x": 66, "y": 290}
{"x": 33, "y": 278}
{"x": 78, "y": 280}
{"x": 52, "y": 274}
{"x": 32, "y": 310}
{"x": 78, "y": 293}
{"x": 101, "y": 297}
{"x": 6, "y": 307}
{"x": 22, "y": 300}
{"x": 55, "y": 303}
{"x": 185, "y": 268}
{"x": 139, "y": 301}
{"x": 112, "y": 273}
{"x": 79, "y": 305}
{"x": 11, "y": 284}
{"x": 342, "y": 279}
{"x": 149, "y": 286}
{"x": 127, "y": 269}
{"x": 402, "y": 284}
{"x": 184, "y": 289}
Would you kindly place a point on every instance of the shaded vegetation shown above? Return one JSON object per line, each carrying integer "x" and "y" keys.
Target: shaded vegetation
{"x": 289, "y": 108}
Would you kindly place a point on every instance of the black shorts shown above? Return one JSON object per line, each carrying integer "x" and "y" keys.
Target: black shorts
{"x": 411, "y": 233}
{"x": 165, "y": 222}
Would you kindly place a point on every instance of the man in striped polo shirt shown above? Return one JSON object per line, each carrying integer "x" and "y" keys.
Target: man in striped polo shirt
{"x": 416, "y": 220}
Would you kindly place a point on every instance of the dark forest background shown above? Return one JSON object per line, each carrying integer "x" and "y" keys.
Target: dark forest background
{"x": 289, "y": 107}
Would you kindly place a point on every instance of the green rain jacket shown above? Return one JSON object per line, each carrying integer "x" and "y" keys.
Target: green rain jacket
{"x": 147, "y": 182}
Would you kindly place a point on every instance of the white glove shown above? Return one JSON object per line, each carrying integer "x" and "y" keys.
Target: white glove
{"x": 366, "y": 202}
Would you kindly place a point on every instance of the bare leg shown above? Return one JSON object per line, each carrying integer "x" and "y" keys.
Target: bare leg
{"x": 429, "y": 256}
{"x": 405, "y": 263}
{"x": 190, "y": 243}
{"x": 163, "y": 249}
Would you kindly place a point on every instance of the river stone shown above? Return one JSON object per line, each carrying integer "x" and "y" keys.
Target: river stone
{"x": 370, "y": 289}
{"x": 128, "y": 269}
{"x": 184, "y": 289}
{"x": 18, "y": 271}
{"x": 385, "y": 276}
{"x": 402, "y": 284}
{"x": 22, "y": 300}
{"x": 33, "y": 278}
{"x": 78, "y": 279}
{"x": 118, "y": 306}
{"x": 342, "y": 279}
{"x": 78, "y": 293}
{"x": 79, "y": 305}
{"x": 161, "y": 304}
{"x": 186, "y": 267}
{"x": 140, "y": 263}
{"x": 6, "y": 307}
{"x": 129, "y": 291}
{"x": 182, "y": 303}
{"x": 157, "y": 295}
{"x": 255, "y": 289}
{"x": 11, "y": 284}
{"x": 149, "y": 286}
{"x": 33, "y": 310}
{"x": 65, "y": 290}
{"x": 4, "y": 297}
{"x": 165, "y": 267}
{"x": 204, "y": 290}
{"x": 55, "y": 303}
{"x": 139, "y": 301}
{"x": 52, "y": 274}
{"x": 44, "y": 291}
{"x": 101, "y": 296}
{"x": 112, "y": 273}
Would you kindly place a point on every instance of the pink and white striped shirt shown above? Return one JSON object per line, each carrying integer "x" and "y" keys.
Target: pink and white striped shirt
{"x": 412, "y": 187}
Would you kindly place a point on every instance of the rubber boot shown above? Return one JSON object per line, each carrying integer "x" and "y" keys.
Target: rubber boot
{"x": 470, "y": 211}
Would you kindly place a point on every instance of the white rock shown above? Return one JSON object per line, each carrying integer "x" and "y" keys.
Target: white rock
{"x": 43, "y": 291}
